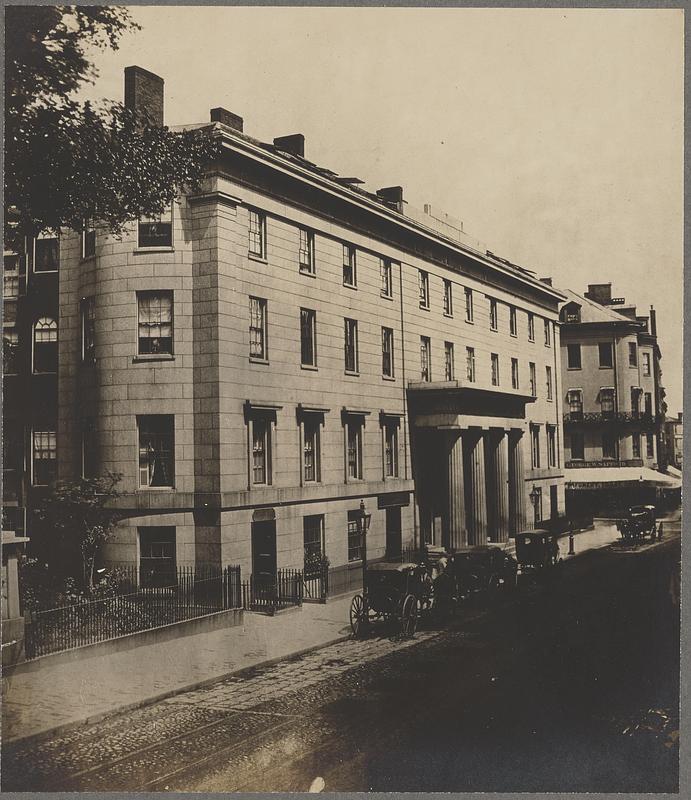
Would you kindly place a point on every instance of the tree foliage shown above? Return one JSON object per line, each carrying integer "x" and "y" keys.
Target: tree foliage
{"x": 77, "y": 513}
{"x": 67, "y": 161}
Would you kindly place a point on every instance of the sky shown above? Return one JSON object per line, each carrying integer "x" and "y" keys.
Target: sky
{"x": 555, "y": 135}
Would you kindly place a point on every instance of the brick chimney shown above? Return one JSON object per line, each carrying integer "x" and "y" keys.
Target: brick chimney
{"x": 144, "y": 94}
{"x": 653, "y": 321}
{"x": 227, "y": 118}
{"x": 599, "y": 292}
{"x": 393, "y": 195}
{"x": 294, "y": 144}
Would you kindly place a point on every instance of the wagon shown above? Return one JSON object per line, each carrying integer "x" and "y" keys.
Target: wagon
{"x": 481, "y": 569}
{"x": 537, "y": 549}
{"x": 638, "y": 523}
{"x": 391, "y": 591}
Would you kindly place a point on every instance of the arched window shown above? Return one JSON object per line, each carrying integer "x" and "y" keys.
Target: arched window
{"x": 46, "y": 345}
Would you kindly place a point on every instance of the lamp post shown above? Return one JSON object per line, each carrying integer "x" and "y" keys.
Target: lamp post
{"x": 363, "y": 524}
{"x": 534, "y": 496}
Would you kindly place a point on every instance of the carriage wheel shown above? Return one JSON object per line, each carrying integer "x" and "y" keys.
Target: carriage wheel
{"x": 358, "y": 615}
{"x": 409, "y": 616}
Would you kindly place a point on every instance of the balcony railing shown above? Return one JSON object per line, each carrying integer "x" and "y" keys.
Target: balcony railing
{"x": 602, "y": 417}
{"x": 605, "y": 462}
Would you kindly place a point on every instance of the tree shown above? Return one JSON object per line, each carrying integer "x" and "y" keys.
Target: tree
{"x": 78, "y": 512}
{"x": 67, "y": 161}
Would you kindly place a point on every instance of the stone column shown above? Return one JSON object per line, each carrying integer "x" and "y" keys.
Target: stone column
{"x": 517, "y": 500}
{"x": 455, "y": 534}
{"x": 476, "y": 495}
{"x": 499, "y": 500}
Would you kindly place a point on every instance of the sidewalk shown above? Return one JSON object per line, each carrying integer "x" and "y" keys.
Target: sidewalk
{"x": 78, "y": 692}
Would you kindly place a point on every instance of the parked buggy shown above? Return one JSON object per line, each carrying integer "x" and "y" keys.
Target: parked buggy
{"x": 392, "y": 591}
{"x": 481, "y": 569}
{"x": 638, "y": 523}
{"x": 536, "y": 550}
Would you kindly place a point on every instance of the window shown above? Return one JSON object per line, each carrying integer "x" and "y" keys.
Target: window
{"x": 551, "y": 446}
{"x": 648, "y": 404}
{"x": 495, "y": 369}
{"x": 261, "y": 451}
{"x": 258, "y": 332}
{"x": 354, "y": 448}
{"x": 46, "y": 253}
{"x": 157, "y": 557}
{"x": 636, "y": 445}
{"x": 354, "y": 538}
{"x": 548, "y": 333}
{"x": 306, "y": 252}
{"x": 607, "y": 402}
{"x": 646, "y": 364}
{"x": 513, "y": 324}
{"x": 575, "y": 400}
{"x": 633, "y": 354}
{"x": 155, "y": 323}
{"x": 470, "y": 364}
{"x": 156, "y": 231}
{"x": 448, "y": 298}
{"x": 649, "y": 445}
{"x": 156, "y": 450}
{"x": 425, "y": 358}
{"x": 44, "y": 457}
{"x": 349, "y": 266}
{"x": 89, "y": 455}
{"x": 605, "y": 354}
{"x": 88, "y": 315}
{"x": 12, "y": 275}
{"x": 548, "y": 382}
{"x": 308, "y": 337}
{"x": 535, "y": 445}
{"x": 635, "y": 401}
{"x": 88, "y": 240}
{"x": 387, "y": 366}
{"x": 493, "y": 315}
{"x": 311, "y": 451}
{"x": 391, "y": 448}
{"x": 531, "y": 327}
{"x": 514, "y": 374}
{"x": 468, "y": 305}
{"x": 257, "y": 233}
{"x": 571, "y": 313}
{"x": 313, "y": 542}
{"x": 423, "y": 288}
{"x": 573, "y": 356}
{"x": 577, "y": 447}
{"x": 46, "y": 345}
{"x": 10, "y": 352}
{"x": 609, "y": 445}
{"x": 533, "y": 379}
{"x": 386, "y": 278}
{"x": 448, "y": 361}
{"x": 351, "y": 346}
{"x": 537, "y": 505}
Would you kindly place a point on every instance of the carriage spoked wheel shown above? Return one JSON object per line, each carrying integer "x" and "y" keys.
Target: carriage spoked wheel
{"x": 409, "y": 616}
{"x": 359, "y": 617}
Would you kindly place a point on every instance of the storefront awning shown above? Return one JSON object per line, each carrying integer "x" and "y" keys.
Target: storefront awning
{"x": 595, "y": 477}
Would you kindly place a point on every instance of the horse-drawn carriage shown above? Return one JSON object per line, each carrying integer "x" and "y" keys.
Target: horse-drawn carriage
{"x": 638, "y": 523}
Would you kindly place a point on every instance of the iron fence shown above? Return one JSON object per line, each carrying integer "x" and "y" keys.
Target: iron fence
{"x": 271, "y": 594}
{"x": 138, "y": 603}
{"x": 315, "y": 580}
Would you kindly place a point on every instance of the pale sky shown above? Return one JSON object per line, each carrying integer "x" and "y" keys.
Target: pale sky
{"x": 556, "y": 135}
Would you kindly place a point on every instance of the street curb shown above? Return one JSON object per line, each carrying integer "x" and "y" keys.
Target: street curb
{"x": 35, "y": 738}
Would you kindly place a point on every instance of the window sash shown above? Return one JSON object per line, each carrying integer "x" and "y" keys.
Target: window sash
{"x": 10, "y": 351}
{"x": 577, "y": 446}
{"x": 514, "y": 373}
{"x": 156, "y": 231}
{"x": 535, "y": 446}
{"x": 155, "y": 325}
{"x": 531, "y": 327}
{"x": 354, "y": 455}
{"x": 609, "y": 446}
{"x": 448, "y": 361}
{"x": 306, "y": 251}
{"x": 257, "y": 233}
{"x": 646, "y": 364}
{"x": 605, "y": 354}
{"x": 493, "y": 315}
{"x": 649, "y": 446}
{"x": 551, "y": 447}
{"x": 387, "y": 352}
{"x": 573, "y": 353}
{"x": 313, "y": 543}
{"x": 44, "y": 457}
{"x": 468, "y": 305}
{"x": 46, "y": 254}
{"x": 423, "y": 288}
{"x": 257, "y": 329}
{"x": 351, "y": 354}
{"x": 308, "y": 339}
{"x": 448, "y": 298}
{"x": 636, "y": 445}
{"x": 156, "y": 451}
{"x": 533, "y": 379}
{"x": 548, "y": 333}
{"x": 386, "y": 277}
{"x": 349, "y": 276}
{"x": 260, "y": 445}
{"x": 607, "y": 401}
{"x": 470, "y": 364}
{"x": 310, "y": 453}
{"x": 548, "y": 382}
{"x": 391, "y": 451}
{"x": 425, "y": 366}
{"x": 575, "y": 399}
{"x": 354, "y": 539}
{"x": 495, "y": 369}
{"x": 513, "y": 324}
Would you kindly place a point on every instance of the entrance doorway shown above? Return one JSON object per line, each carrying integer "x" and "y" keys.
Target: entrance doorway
{"x": 393, "y": 532}
{"x": 264, "y": 550}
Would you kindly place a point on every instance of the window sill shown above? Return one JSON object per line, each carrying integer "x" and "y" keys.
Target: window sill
{"x": 574, "y": 369}
{"x": 255, "y": 257}
{"x": 308, "y": 273}
{"x": 46, "y": 271}
{"x": 156, "y": 489}
{"x": 350, "y": 286}
{"x": 148, "y": 357}
{"x": 532, "y": 341}
{"x": 494, "y": 330}
{"x": 386, "y": 296}
{"x": 138, "y": 251}
{"x": 605, "y": 367}
{"x": 424, "y": 308}
{"x": 470, "y": 321}
{"x": 352, "y": 374}
{"x": 447, "y": 315}
{"x": 310, "y": 367}
{"x": 85, "y": 259}
{"x": 513, "y": 335}
{"x": 256, "y": 360}
{"x": 390, "y": 378}
{"x": 46, "y": 372}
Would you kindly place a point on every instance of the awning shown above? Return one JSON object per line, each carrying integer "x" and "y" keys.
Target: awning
{"x": 594, "y": 477}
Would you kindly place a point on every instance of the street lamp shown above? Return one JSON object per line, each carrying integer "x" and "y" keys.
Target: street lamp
{"x": 364, "y": 520}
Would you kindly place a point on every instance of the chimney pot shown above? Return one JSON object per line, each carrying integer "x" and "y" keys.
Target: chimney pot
{"x": 294, "y": 144}
{"x": 144, "y": 94}
{"x": 392, "y": 195}
{"x": 227, "y": 118}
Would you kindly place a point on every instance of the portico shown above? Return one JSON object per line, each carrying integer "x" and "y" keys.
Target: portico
{"x": 471, "y": 489}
